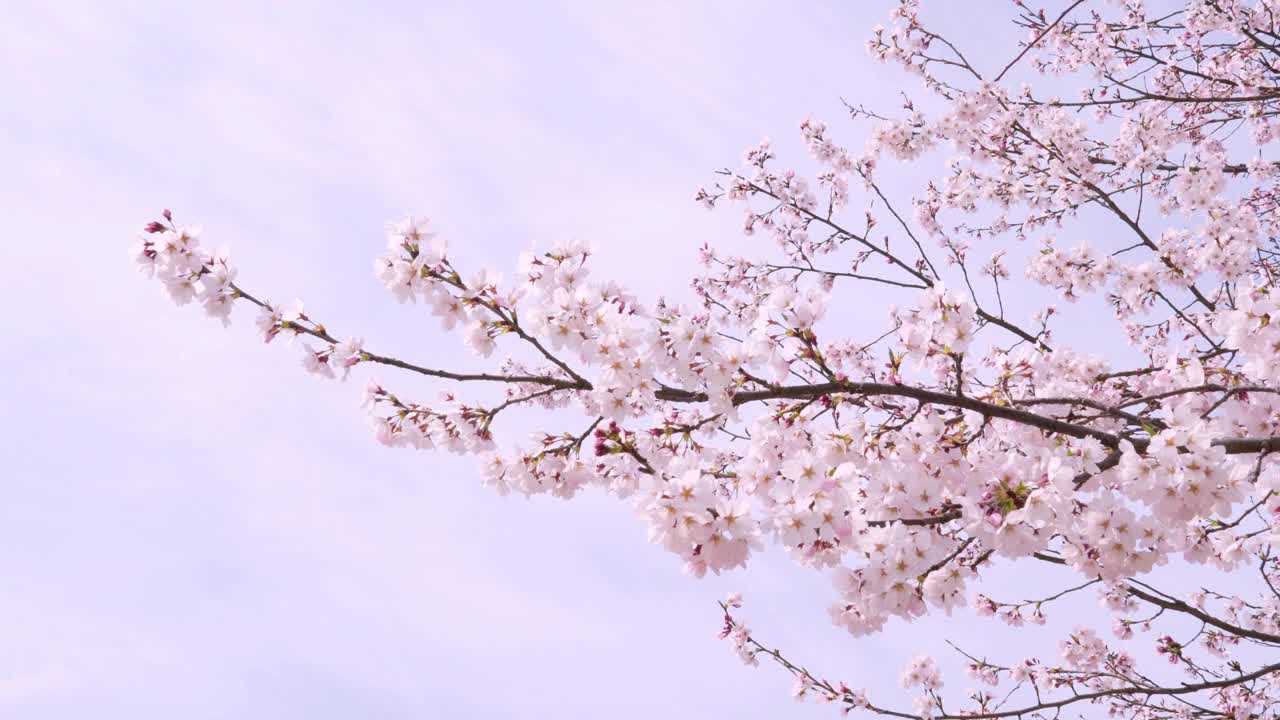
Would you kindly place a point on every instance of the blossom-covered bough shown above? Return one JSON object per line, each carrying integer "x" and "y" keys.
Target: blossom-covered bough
{"x": 963, "y": 435}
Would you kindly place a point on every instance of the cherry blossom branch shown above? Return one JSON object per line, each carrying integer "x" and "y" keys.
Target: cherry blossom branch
{"x": 1175, "y": 605}
{"x": 907, "y": 463}
{"x": 842, "y": 693}
{"x": 1232, "y": 446}
{"x": 320, "y": 333}
{"x": 1036, "y": 40}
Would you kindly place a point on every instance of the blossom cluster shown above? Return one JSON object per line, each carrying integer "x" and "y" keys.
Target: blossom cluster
{"x": 961, "y": 435}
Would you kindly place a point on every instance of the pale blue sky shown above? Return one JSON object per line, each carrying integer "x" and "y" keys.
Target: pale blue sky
{"x": 193, "y": 527}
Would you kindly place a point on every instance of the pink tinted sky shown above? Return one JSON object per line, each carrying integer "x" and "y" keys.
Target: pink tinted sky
{"x": 193, "y": 526}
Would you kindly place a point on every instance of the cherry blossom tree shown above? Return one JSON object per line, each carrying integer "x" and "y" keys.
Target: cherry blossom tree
{"x": 961, "y": 435}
